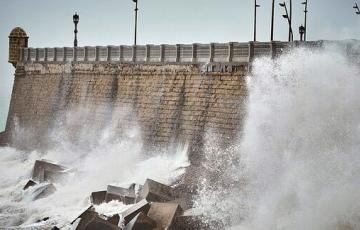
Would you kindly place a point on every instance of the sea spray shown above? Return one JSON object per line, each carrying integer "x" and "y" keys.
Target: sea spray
{"x": 98, "y": 156}
{"x": 299, "y": 151}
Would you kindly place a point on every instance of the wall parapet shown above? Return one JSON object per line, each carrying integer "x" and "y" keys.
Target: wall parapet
{"x": 232, "y": 52}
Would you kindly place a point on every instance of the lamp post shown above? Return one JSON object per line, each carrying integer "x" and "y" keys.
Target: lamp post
{"x": 290, "y": 29}
{"x": 136, "y": 17}
{"x": 305, "y": 11}
{"x": 76, "y": 21}
{"x": 302, "y": 31}
{"x": 286, "y": 16}
{"x": 356, "y": 7}
{"x": 255, "y": 14}
{"x": 272, "y": 20}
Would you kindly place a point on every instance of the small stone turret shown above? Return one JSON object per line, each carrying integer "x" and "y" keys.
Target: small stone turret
{"x": 17, "y": 40}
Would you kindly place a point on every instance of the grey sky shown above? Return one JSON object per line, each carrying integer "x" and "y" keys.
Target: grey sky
{"x": 48, "y": 23}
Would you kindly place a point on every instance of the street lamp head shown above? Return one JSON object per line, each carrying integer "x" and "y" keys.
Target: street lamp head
{"x": 282, "y": 4}
{"x": 257, "y": 5}
{"x": 358, "y": 12}
{"x": 302, "y": 29}
{"x": 135, "y": 1}
{"x": 304, "y": 3}
{"x": 76, "y": 18}
{"x": 285, "y": 16}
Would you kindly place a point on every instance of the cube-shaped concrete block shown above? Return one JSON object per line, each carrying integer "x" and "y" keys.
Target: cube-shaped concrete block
{"x": 46, "y": 171}
{"x": 164, "y": 214}
{"x": 98, "y": 223}
{"x": 98, "y": 197}
{"x": 141, "y": 222}
{"x": 156, "y": 192}
{"x": 129, "y": 214}
{"x": 127, "y": 196}
{"x": 29, "y": 184}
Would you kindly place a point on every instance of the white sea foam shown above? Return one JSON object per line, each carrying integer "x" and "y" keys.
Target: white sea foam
{"x": 100, "y": 157}
{"x": 299, "y": 152}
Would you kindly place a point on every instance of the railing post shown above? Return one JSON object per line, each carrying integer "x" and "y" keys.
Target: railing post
{"x": 55, "y": 54}
{"x": 29, "y": 55}
{"x": 178, "y": 53}
{"x": 86, "y": 53}
{"x": 121, "y": 54}
{"x": 251, "y": 52}
{"x": 212, "y": 52}
{"x": 194, "y": 52}
{"x": 134, "y": 53}
{"x": 97, "y": 53}
{"x": 108, "y": 50}
{"x": 37, "y": 54}
{"x": 64, "y": 59}
{"x": 231, "y": 51}
{"x": 162, "y": 53}
{"x": 46, "y": 50}
{"x": 148, "y": 47}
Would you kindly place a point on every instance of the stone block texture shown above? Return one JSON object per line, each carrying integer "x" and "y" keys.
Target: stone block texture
{"x": 169, "y": 102}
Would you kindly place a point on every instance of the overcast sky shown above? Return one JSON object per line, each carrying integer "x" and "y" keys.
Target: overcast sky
{"x": 48, "y": 23}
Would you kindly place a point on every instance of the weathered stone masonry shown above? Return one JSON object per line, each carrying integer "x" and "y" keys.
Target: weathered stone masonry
{"x": 174, "y": 92}
{"x": 168, "y": 101}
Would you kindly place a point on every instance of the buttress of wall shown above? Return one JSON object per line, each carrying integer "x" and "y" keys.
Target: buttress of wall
{"x": 167, "y": 102}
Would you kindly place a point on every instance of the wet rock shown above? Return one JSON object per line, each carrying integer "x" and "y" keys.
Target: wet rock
{"x": 115, "y": 219}
{"x": 43, "y": 191}
{"x": 98, "y": 223}
{"x": 127, "y": 196}
{"x": 156, "y": 192}
{"x": 45, "y": 171}
{"x": 43, "y": 219}
{"x": 85, "y": 217}
{"x": 129, "y": 214}
{"x": 29, "y": 184}
{"x": 141, "y": 222}
{"x": 164, "y": 214}
{"x": 98, "y": 197}
{"x": 55, "y": 228}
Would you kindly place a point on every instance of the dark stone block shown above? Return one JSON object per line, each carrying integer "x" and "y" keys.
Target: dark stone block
{"x": 115, "y": 219}
{"x": 141, "y": 206}
{"x": 85, "y": 218}
{"x": 43, "y": 191}
{"x": 141, "y": 222}
{"x": 156, "y": 192}
{"x": 100, "y": 224}
{"x": 29, "y": 184}
{"x": 127, "y": 196}
{"x": 164, "y": 214}
{"x": 44, "y": 171}
{"x": 98, "y": 197}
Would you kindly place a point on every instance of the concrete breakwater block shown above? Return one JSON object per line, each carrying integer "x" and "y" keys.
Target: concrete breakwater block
{"x": 98, "y": 197}
{"x": 98, "y": 223}
{"x": 29, "y": 184}
{"x": 43, "y": 191}
{"x": 125, "y": 195}
{"x": 156, "y": 192}
{"x": 164, "y": 214}
{"x": 141, "y": 222}
{"x": 115, "y": 219}
{"x": 45, "y": 171}
{"x": 142, "y": 206}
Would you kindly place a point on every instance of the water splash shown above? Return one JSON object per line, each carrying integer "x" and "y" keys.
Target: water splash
{"x": 300, "y": 146}
{"x": 100, "y": 156}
